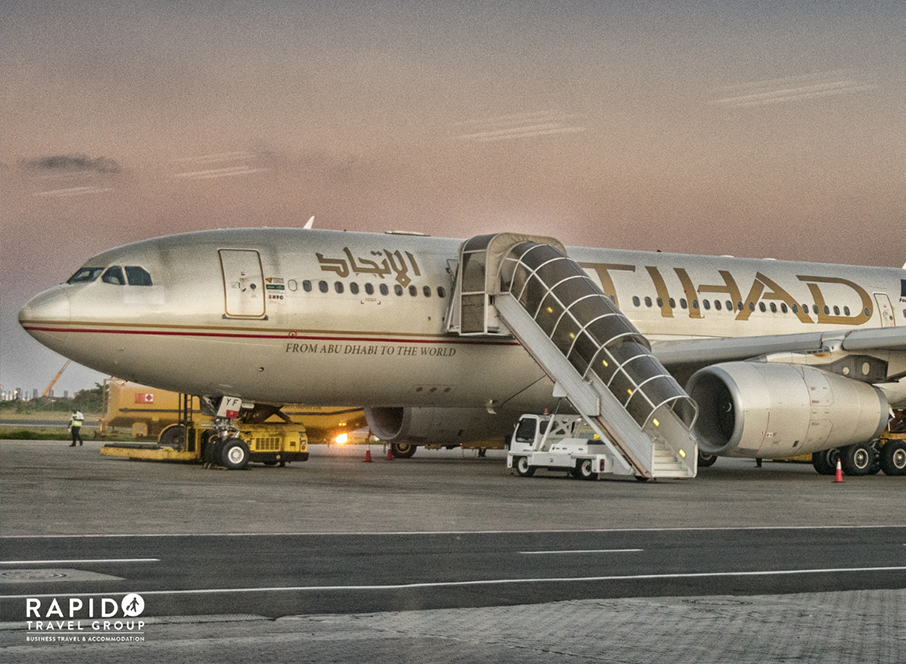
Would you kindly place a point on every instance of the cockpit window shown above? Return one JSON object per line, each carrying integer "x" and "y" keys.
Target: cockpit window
{"x": 85, "y": 274}
{"x": 114, "y": 275}
{"x": 137, "y": 276}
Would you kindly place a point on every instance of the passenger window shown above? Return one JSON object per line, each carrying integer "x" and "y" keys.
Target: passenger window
{"x": 137, "y": 276}
{"x": 815, "y": 309}
{"x": 682, "y": 302}
{"x": 795, "y": 308}
{"x": 826, "y": 310}
{"x": 846, "y": 311}
{"x": 660, "y": 302}
{"x": 740, "y": 306}
{"x": 413, "y": 291}
{"x": 338, "y": 286}
{"x": 427, "y": 291}
{"x": 761, "y": 307}
{"x": 384, "y": 289}
{"x": 306, "y": 286}
{"x": 729, "y": 306}
{"x": 836, "y": 310}
{"x": 398, "y": 290}
{"x": 751, "y": 306}
{"x": 85, "y": 274}
{"x": 114, "y": 275}
{"x": 707, "y": 304}
{"x": 322, "y": 286}
{"x": 647, "y": 301}
{"x": 695, "y": 304}
{"x": 717, "y": 305}
{"x": 783, "y": 307}
{"x": 369, "y": 289}
{"x": 635, "y": 301}
{"x": 672, "y": 303}
{"x": 773, "y": 307}
{"x": 441, "y": 292}
{"x": 354, "y": 288}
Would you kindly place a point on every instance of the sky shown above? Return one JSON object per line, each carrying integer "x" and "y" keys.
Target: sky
{"x": 756, "y": 128}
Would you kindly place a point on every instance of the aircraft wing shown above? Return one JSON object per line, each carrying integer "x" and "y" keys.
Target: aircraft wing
{"x": 693, "y": 353}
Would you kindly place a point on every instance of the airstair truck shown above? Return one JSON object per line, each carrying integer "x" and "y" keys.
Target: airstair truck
{"x": 558, "y": 443}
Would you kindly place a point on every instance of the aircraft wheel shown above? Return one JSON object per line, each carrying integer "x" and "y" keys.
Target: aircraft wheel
{"x": 402, "y": 450}
{"x": 893, "y": 457}
{"x": 825, "y": 461}
{"x": 705, "y": 459}
{"x": 585, "y": 469}
{"x": 234, "y": 454}
{"x": 857, "y": 459}
{"x": 523, "y": 469}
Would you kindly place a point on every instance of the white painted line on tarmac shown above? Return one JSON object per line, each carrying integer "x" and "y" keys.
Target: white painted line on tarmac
{"x": 80, "y": 562}
{"x": 541, "y": 553}
{"x": 483, "y": 582}
{"x": 461, "y": 532}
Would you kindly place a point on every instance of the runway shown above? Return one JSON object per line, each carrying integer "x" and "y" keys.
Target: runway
{"x": 446, "y": 538}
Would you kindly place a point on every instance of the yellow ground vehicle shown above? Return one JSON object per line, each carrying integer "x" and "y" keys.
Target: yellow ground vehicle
{"x": 148, "y": 412}
{"x": 198, "y": 441}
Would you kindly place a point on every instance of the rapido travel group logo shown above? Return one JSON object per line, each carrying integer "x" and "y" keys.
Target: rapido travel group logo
{"x": 81, "y": 620}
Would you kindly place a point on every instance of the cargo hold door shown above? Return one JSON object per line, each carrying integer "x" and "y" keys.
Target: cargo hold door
{"x": 243, "y": 283}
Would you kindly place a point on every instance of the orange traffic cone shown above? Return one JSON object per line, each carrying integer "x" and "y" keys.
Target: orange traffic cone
{"x": 389, "y": 453}
{"x": 367, "y": 455}
{"x": 839, "y": 477}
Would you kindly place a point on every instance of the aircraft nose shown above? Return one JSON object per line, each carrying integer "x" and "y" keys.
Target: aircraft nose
{"x": 51, "y": 306}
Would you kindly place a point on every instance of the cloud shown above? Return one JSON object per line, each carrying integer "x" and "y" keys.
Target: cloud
{"x": 519, "y": 126}
{"x": 793, "y": 89}
{"x": 70, "y": 163}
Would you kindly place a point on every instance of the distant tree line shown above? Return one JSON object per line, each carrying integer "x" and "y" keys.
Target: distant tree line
{"x": 87, "y": 401}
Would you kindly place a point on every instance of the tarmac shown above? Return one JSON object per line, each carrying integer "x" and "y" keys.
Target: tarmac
{"x": 847, "y": 627}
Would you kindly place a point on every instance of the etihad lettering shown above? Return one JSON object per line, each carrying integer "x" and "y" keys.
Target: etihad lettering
{"x": 762, "y": 289}
{"x": 824, "y": 311}
{"x": 603, "y": 272}
{"x": 384, "y": 264}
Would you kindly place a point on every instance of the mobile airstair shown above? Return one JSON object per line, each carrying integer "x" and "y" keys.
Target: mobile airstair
{"x": 526, "y": 286}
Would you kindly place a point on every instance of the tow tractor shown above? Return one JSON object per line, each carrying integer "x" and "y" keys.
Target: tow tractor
{"x": 557, "y": 443}
{"x": 225, "y": 442}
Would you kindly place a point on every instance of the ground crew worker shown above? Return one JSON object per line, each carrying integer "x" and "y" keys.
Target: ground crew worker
{"x": 75, "y": 426}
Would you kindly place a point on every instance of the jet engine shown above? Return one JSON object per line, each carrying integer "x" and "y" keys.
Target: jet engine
{"x": 765, "y": 410}
{"x": 406, "y": 428}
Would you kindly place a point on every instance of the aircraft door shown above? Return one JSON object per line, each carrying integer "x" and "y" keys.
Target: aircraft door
{"x": 243, "y": 283}
{"x": 885, "y": 309}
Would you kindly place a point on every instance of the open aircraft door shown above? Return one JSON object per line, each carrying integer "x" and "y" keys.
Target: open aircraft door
{"x": 243, "y": 283}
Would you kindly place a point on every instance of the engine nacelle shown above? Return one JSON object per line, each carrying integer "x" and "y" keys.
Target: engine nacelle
{"x": 765, "y": 410}
{"x": 437, "y": 426}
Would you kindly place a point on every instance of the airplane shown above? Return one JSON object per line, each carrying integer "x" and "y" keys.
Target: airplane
{"x": 449, "y": 340}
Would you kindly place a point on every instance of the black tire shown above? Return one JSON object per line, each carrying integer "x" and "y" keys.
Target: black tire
{"x": 523, "y": 469}
{"x": 585, "y": 470}
{"x": 705, "y": 460}
{"x": 858, "y": 459}
{"x": 893, "y": 458}
{"x": 173, "y": 436}
{"x": 825, "y": 461}
{"x": 234, "y": 454}
{"x": 402, "y": 450}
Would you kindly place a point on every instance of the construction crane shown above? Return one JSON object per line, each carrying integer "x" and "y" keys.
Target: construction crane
{"x": 56, "y": 378}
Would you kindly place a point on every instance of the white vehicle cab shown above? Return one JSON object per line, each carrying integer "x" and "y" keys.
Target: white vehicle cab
{"x": 559, "y": 443}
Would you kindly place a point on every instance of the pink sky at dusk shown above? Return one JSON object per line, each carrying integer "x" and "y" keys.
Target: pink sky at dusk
{"x": 754, "y": 129}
